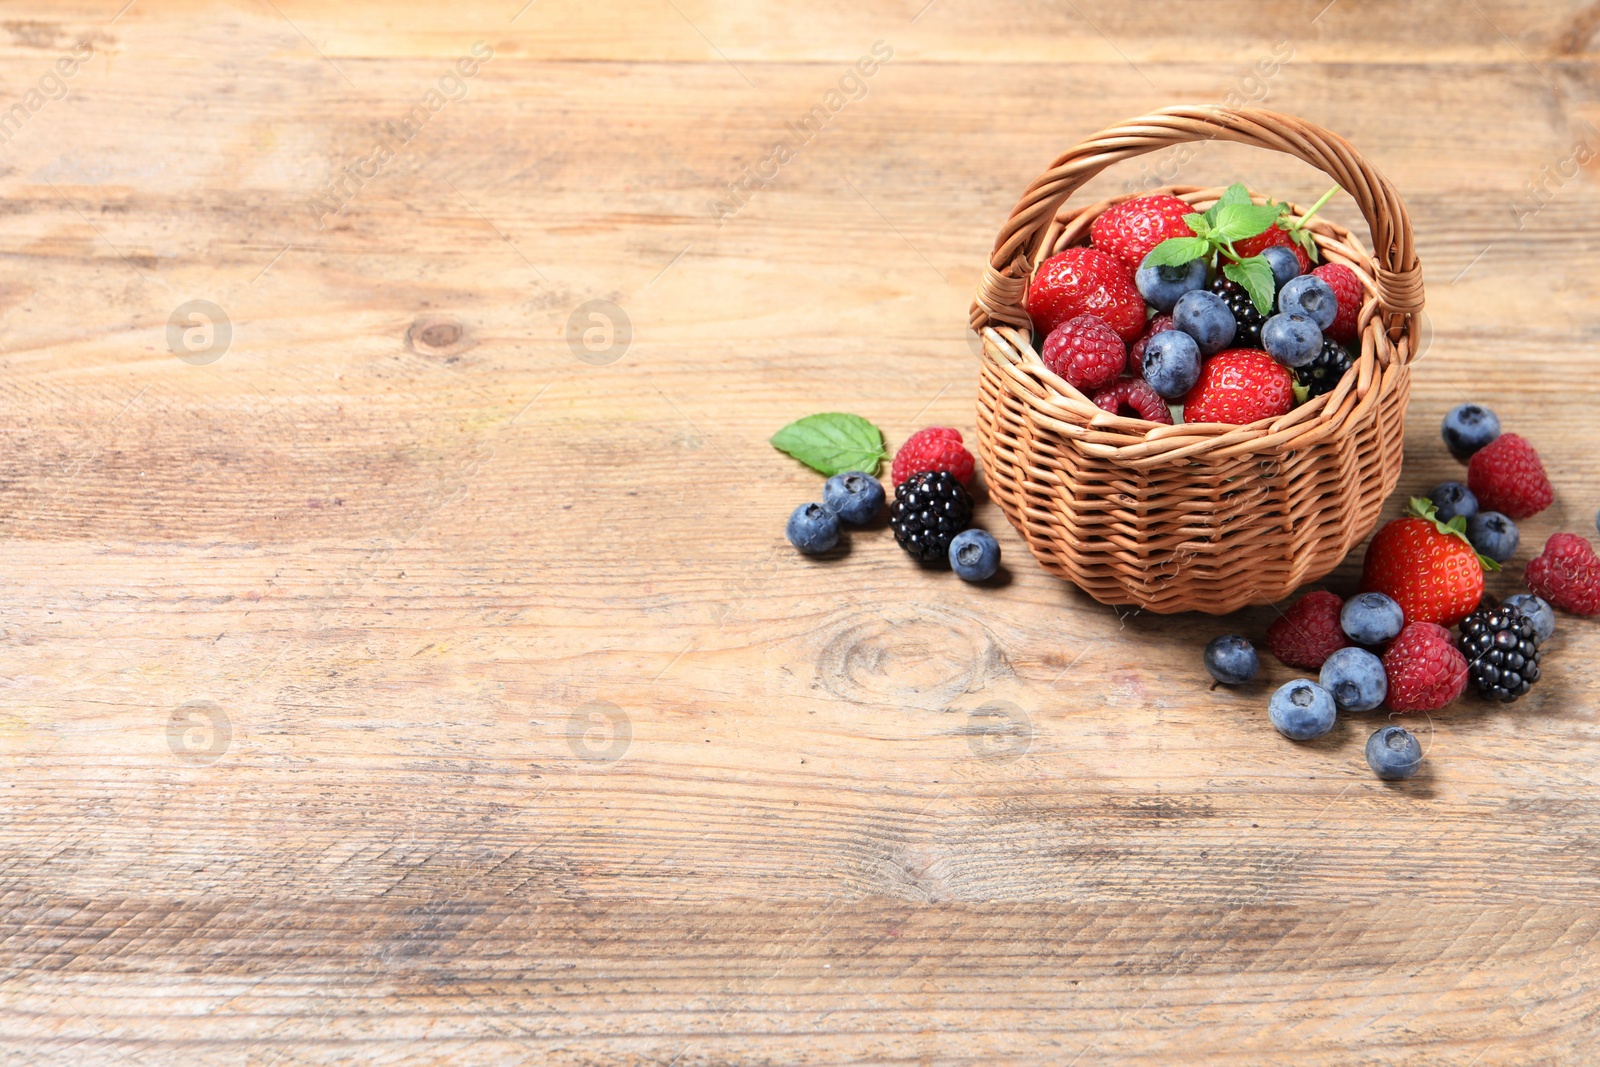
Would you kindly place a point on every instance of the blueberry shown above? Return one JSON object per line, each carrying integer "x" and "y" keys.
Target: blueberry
{"x": 1171, "y": 363}
{"x": 1232, "y": 660}
{"x": 1355, "y": 678}
{"x": 1301, "y": 710}
{"x": 1292, "y": 340}
{"x": 1394, "y": 753}
{"x": 854, "y": 496}
{"x": 1284, "y": 263}
{"x": 1494, "y": 535}
{"x": 1371, "y": 619}
{"x": 974, "y": 555}
{"x": 1467, "y": 428}
{"x": 1451, "y": 499}
{"x": 1204, "y": 316}
{"x": 1536, "y": 611}
{"x": 1310, "y": 296}
{"x": 813, "y": 529}
{"x": 1162, "y": 286}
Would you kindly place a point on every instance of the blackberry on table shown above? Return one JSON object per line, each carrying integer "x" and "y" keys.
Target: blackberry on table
{"x": 929, "y": 509}
{"x": 1502, "y": 650}
{"x": 1323, "y": 373}
{"x": 1247, "y": 320}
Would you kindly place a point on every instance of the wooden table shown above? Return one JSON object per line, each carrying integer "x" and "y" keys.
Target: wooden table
{"x": 414, "y": 671}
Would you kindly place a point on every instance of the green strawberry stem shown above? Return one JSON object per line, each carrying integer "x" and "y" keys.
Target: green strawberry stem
{"x": 1422, "y": 508}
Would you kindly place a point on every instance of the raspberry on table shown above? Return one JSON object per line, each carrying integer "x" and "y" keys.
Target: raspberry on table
{"x": 1086, "y": 352}
{"x": 1425, "y": 669}
{"x": 1566, "y": 574}
{"x": 1309, "y": 632}
{"x": 934, "y": 448}
{"x": 929, "y": 509}
{"x": 1507, "y": 476}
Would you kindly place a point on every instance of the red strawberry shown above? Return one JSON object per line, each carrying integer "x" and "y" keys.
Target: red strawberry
{"x": 1274, "y": 236}
{"x": 1136, "y": 353}
{"x": 1347, "y": 287}
{"x": 1426, "y": 566}
{"x": 1240, "y": 385}
{"x": 935, "y": 448}
{"x": 1086, "y": 281}
{"x": 1567, "y": 574}
{"x": 1507, "y": 476}
{"x": 1309, "y": 632}
{"x": 1134, "y": 399}
{"x": 1425, "y": 670}
{"x": 1129, "y": 230}
{"x": 1086, "y": 352}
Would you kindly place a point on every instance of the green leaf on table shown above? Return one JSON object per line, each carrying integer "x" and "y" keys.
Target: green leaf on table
{"x": 1255, "y": 275}
{"x": 833, "y": 442}
{"x": 1176, "y": 251}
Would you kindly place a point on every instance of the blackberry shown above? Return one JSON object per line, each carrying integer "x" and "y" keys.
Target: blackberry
{"x": 929, "y": 509}
{"x": 1502, "y": 650}
{"x": 1247, "y": 320}
{"x": 1323, "y": 373}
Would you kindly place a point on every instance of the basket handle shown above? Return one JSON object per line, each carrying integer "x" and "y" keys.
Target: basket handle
{"x": 1399, "y": 276}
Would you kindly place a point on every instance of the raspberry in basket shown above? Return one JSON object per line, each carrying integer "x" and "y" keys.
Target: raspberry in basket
{"x": 1134, "y": 399}
{"x": 1136, "y": 350}
{"x": 1086, "y": 352}
{"x": 934, "y": 448}
{"x": 1086, "y": 281}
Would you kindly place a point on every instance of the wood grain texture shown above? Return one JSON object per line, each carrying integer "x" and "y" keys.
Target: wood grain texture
{"x": 400, "y": 688}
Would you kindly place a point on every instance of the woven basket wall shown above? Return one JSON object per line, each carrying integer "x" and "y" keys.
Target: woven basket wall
{"x": 1197, "y": 517}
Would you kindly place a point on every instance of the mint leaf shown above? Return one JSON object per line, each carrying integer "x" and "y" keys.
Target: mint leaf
{"x": 1199, "y": 225}
{"x": 1234, "y": 194}
{"x": 1256, "y": 276}
{"x": 1176, "y": 251}
{"x": 832, "y": 443}
{"x": 1302, "y": 393}
{"x": 1237, "y": 221}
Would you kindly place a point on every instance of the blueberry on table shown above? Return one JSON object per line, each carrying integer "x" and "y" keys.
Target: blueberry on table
{"x": 1310, "y": 296}
{"x": 854, "y": 496}
{"x": 1302, "y": 710}
{"x": 1355, "y": 679}
{"x": 1204, "y": 316}
{"x": 1536, "y": 611}
{"x": 1394, "y": 753}
{"x": 1291, "y": 339}
{"x": 974, "y": 555}
{"x": 1232, "y": 659}
{"x": 1451, "y": 499}
{"x": 1371, "y": 618}
{"x": 813, "y": 529}
{"x": 1494, "y": 535}
{"x": 1467, "y": 428}
{"x": 1162, "y": 286}
{"x": 1171, "y": 363}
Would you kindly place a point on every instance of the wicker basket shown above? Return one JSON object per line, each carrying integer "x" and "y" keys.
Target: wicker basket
{"x": 1197, "y": 517}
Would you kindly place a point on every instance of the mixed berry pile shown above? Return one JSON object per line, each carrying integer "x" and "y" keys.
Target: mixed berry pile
{"x": 1390, "y": 644}
{"x": 1218, "y": 316}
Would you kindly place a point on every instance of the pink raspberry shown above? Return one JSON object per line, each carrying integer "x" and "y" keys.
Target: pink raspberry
{"x": 1567, "y": 574}
{"x": 935, "y": 448}
{"x": 1086, "y": 352}
{"x": 1134, "y": 399}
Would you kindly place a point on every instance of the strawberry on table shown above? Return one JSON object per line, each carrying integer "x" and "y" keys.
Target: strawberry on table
{"x": 1240, "y": 385}
{"x": 1129, "y": 230}
{"x": 1086, "y": 281}
{"x": 1426, "y": 566}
